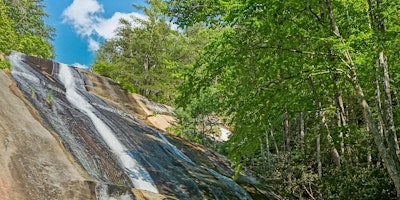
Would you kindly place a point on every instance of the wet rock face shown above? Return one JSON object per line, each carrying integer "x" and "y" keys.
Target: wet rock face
{"x": 102, "y": 129}
{"x": 33, "y": 165}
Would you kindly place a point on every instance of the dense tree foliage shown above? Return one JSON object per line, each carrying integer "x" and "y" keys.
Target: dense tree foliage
{"x": 23, "y": 28}
{"x": 309, "y": 87}
{"x": 147, "y": 56}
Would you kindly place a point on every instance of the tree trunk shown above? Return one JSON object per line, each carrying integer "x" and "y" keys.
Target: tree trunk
{"x": 391, "y": 137}
{"x": 389, "y": 154}
{"x": 378, "y": 103}
{"x": 288, "y": 149}
{"x": 268, "y": 151}
{"x": 319, "y": 155}
{"x": 342, "y": 120}
{"x": 287, "y": 133}
{"x": 340, "y": 104}
{"x": 302, "y": 131}
{"x": 323, "y": 124}
{"x": 391, "y": 162}
{"x": 146, "y": 63}
{"x": 273, "y": 138}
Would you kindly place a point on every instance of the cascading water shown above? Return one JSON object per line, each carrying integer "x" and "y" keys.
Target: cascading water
{"x": 110, "y": 143}
{"x": 240, "y": 192}
{"x": 176, "y": 151}
{"x": 140, "y": 178}
{"x": 225, "y": 133}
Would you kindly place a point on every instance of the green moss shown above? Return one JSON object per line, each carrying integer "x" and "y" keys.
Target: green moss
{"x": 5, "y": 65}
{"x": 49, "y": 97}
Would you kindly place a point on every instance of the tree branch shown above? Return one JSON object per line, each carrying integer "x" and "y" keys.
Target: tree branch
{"x": 294, "y": 50}
{"x": 315, "y": 15}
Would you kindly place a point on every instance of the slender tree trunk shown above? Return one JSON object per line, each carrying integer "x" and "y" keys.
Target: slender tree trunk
{"x": 341, "y": 135}
{"x": 378, "y": 103}
{"x": 287, "y": 133}
{"x": 288, "y": 149}
{"x": 302, "y": 131}
{"x": 378, "y": 26}
{"x": 334, "y": 151}
{"x": 391, "y": 137}
{"x": 273, "y": 138}
{"x": 342, "y": 122}
{"x": 323, "y": 124}
{"x": 389, "y": 129}
{"x": 391, "y": 161}
{"x": 268, "y": 151}
{"x": 319, "y": 155}
{"x": 340, "y": 104}
{"x": 369, "y": 158}
{"x": 146, "y": 63}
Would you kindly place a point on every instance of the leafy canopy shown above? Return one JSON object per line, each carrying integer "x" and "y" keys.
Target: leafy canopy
{"x": 147, "y": 56}
{"x": 23, "y": 28}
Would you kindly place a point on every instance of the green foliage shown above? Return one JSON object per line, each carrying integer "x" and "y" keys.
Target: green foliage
{"x": 189, "y": 13}
{"x": 33, "y": 91}
{"x": 198, "y": 121}
{"x": 357, "y": 182}
{"x": 138, "y": 58}
{"x": 23, "y": 28}
{"x": 102, "y": 67}
{"x": 148, "y": 57}
{"x": 49, "y": 97}
{"x": 5, "y": 65}
{"x": 7, "y": 36}
{"x": 271, "y": 62}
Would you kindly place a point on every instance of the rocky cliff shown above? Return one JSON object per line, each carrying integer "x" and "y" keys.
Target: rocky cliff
{"x": 66, "y": 133}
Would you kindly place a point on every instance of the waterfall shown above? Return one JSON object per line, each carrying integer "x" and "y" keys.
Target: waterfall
{"x": 140, "y": 178}
{"x": 225, "y": 133}
{"x": 237, "y": 189}
{"x": 176, "y": 150}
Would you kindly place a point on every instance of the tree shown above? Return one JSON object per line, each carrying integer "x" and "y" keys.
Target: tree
{"x": 24, "y": 28}
{"x": 147, "y": 56}
{"x": 262, "y": 61}
{"x": 8, "y": 36}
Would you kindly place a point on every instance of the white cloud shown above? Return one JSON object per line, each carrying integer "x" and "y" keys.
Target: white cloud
{"x": 93, "y": 45}
{"x": 85, "y": 17}
{"x": 82, "y": 14}
{"x": 106, "y": 27}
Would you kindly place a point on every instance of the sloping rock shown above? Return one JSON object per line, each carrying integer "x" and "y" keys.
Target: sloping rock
{"x": 33, "y": 164}
{"x": 81, "y": 136}
{"x": 101, "y": 127}
{"x": 158, "y": 115}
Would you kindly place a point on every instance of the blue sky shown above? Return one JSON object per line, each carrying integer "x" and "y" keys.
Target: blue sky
{"x": 81, "y": 25}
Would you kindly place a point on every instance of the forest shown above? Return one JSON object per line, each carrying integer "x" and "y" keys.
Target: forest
{"x": 309, "y": 89}
{"x": 23, "y": 28}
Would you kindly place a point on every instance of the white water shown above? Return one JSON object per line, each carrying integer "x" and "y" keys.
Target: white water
{"x": 139, "y": 176}
{"x": 15, "y": 59}
{"x": 102, "y": 193}
{"x": 225, "y": 133}
{"x": 176, "y": 150}
{"x": 237, "y": 189}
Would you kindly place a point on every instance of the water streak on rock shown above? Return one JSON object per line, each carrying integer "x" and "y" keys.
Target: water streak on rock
{"x": 140, "y": 178}
{"x": 101, "y": 128}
